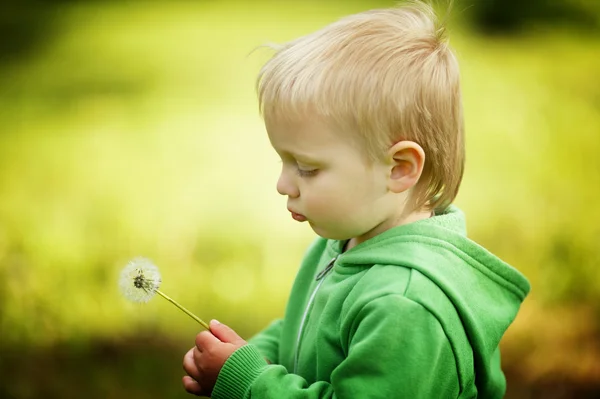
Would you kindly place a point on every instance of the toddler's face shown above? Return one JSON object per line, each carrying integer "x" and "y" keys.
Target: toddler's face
{"x": 328, "y": 182}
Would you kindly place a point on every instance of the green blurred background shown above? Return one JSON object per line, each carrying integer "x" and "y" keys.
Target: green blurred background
{"x": 131, "y": 128}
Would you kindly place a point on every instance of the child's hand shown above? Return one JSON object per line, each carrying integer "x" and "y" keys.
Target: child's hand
{"x": 203, "y": 362}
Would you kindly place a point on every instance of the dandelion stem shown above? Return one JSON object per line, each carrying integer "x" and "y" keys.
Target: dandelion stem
{"x": 193, "y": 316}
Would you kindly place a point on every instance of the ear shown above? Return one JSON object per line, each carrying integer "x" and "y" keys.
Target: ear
{"x": 406, "y": 159}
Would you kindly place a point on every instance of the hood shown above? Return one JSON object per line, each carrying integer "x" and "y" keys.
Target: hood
{"x": 486, "y": 291}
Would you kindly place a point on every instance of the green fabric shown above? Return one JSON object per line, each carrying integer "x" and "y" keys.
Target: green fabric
{"x": 268, "y": 341}
{"x": 416, "y": 312}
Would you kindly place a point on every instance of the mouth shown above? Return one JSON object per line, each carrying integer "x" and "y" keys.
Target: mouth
{"x": 298, "y": 217}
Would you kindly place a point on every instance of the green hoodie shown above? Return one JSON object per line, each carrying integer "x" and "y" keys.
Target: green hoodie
{"x": 415, "y": 312}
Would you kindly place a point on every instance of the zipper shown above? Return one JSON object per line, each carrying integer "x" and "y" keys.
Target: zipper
{"x": 320, "y": 278}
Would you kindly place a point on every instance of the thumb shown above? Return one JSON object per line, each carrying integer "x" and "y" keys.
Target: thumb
{"x": 225, "y": 333}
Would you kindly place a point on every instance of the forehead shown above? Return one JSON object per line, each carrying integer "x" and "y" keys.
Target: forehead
{"x": 311, "y": 136}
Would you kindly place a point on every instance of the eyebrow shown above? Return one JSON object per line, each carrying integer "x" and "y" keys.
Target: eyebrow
{"x": 299, "y": 156}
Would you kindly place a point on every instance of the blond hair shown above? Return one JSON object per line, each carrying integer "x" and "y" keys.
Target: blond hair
{"x": 387, "y": 74}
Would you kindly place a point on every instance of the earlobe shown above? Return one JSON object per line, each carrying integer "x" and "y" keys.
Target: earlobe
{"x": 407, "y": 159}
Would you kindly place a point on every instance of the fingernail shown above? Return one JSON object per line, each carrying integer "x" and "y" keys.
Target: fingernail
{"x": 215, "y": 321}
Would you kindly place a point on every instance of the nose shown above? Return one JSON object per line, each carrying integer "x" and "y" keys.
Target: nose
{"x": 286, "y": 185}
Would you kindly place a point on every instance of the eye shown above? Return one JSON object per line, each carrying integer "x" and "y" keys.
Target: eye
{"x": 306, "y": 173}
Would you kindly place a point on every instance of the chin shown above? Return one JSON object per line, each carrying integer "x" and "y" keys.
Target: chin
{"x": 328, "y": 234}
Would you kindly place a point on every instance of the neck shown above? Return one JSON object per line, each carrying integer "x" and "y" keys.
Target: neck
{"x": 399, "y": 221}
{"x": 415, "y": 217}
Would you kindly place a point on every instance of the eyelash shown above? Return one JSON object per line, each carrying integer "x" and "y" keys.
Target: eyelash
{"x": 306, "y": 173}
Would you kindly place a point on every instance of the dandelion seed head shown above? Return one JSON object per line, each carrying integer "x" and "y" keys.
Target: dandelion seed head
{"x": 139, "y": 280}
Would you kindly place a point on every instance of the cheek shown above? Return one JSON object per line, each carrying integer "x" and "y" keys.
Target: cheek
{"x": 319, "y": 196}
{"x": 346, "y": 187}
{"x": 320, "y": 202}
{"x": 331, "y": 198}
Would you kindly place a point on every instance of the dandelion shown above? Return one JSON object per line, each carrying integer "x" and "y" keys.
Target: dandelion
{"x": 140, "y": 280}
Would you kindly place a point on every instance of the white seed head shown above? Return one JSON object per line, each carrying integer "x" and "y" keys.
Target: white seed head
{"x": 139, "y": 280}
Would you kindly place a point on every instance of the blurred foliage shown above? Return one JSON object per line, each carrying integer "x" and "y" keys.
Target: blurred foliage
{"x": 516, "y": 16}
{"x": 131, "y": 128}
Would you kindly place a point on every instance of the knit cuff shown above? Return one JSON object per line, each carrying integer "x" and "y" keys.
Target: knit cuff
{"x": 238, "y": 373}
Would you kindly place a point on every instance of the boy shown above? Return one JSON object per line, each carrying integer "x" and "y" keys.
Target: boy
{"x": 392, "y": 300}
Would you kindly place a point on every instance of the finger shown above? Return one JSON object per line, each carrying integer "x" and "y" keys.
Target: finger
{"x": 191, "y": 385}
{"x": 196, "y": 355}
{"x": 225, "y": 333}
{"x": 189, "y": 366}
{"x": 205, "y": 339}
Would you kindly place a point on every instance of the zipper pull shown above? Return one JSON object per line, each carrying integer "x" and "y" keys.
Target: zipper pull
{"x": 324, "y": 272}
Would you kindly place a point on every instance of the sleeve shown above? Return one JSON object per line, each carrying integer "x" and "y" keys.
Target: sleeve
{"x": 395, "y": 348}
{"x": 267, "y": 341}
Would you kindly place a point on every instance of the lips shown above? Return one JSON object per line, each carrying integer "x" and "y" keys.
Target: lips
{"x": 298, "y": 217}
